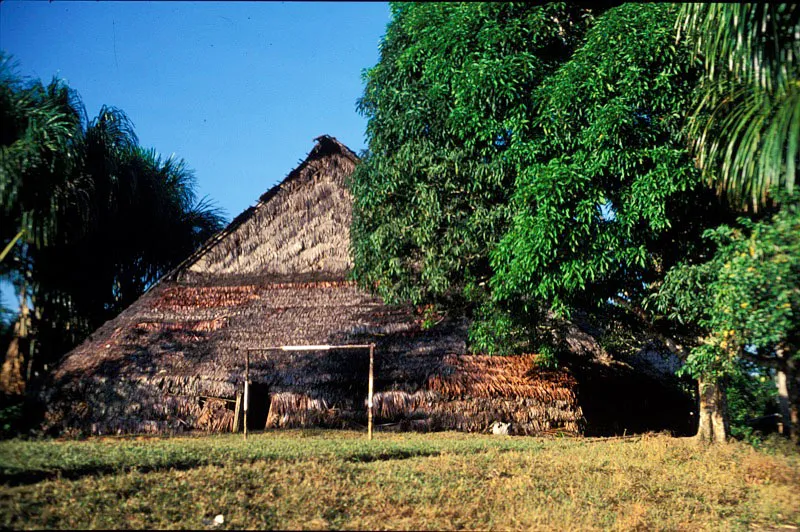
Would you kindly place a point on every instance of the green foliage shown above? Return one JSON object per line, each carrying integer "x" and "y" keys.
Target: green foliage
{"x": 527, "y": 159}
{"x": 757, "y": 288}
{"x": 746, "y": 298}
{"x": 746, "y": 125}
{"x": 100, "y": 217}
{"x": 496, "y": 331}
{"x": 751, "y": 393}
{"x": 607, "y": 198}
{"x": 448, "y": 104}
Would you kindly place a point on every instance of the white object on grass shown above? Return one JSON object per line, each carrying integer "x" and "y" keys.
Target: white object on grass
{"x": 498, "y": 427}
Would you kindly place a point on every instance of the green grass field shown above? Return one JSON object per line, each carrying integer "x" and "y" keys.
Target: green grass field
{"x": 315, "y": 479}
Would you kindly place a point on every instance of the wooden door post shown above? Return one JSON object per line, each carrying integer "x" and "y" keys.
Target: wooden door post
{"x": 246, "y": 389}
{"x": 237, "y": 413}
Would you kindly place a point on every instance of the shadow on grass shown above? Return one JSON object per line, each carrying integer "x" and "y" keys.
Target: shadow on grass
{"x": 22, "y": 478}
{"x": 27, "y": 477}
{"x": 393, "y": 454}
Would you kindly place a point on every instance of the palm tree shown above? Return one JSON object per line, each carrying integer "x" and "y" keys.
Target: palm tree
{"x": 84, "y": 201}
{"x": 101, "y": 271}
{"x": 38, "y": 125}
{"x": 746, "y": 125}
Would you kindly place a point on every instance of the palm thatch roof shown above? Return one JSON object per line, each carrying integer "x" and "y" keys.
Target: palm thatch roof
{"x": 277, "y": 275}
{"x": 299, "y": 227}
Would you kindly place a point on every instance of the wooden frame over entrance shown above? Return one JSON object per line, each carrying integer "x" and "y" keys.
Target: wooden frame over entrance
{"x": 324, "y": 347}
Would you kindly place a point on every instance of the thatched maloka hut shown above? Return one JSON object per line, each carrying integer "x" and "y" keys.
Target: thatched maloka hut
{"x": 278, "y": 275}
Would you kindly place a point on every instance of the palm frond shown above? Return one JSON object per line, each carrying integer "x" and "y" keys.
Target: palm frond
{"x": 746, "y": 124}
{"x": 205, "y": 219}
{"x": 757, "y": 43}
{"x": 10, "y": 245}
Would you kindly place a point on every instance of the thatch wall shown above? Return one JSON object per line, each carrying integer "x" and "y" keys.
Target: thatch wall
{"x": 184, "y": 342}
{"x": 470, "y": 392}
{"x": 277, "y": 275}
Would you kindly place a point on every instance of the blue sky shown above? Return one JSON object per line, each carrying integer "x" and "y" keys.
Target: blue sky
{"x": 237, "y": 89}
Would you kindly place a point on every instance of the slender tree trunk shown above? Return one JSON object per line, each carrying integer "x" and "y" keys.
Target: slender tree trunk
{"x": 713, "y": 426}
{"x": 13, "y": 372}
{"x": 794, "y": 415}
{"x": 789, "y": 393}
{"x": 783, "y": 403}
{"x": 793, "y": 391}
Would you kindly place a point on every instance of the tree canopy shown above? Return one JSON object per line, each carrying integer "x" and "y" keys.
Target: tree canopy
{"x": 606, "y": 198}
{"x": 447, "y": 104}
{"x": 526, "y": 158}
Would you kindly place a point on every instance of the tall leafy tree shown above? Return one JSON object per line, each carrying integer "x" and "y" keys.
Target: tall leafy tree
{"x": 447, "y": 104}
{"x": 96, "y": 217}
{"x": 529, "y": 168}
{"x": 609, "y": 199}
{"x": 745, "y": 302}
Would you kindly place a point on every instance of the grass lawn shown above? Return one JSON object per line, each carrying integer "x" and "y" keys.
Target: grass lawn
{"x": 316, "y": 479}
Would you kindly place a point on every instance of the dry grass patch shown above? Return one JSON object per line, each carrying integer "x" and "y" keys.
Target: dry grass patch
{"x": 337, "y": 480}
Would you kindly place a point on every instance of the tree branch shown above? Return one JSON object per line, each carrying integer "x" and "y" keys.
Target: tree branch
{"x": 673, "y": 346}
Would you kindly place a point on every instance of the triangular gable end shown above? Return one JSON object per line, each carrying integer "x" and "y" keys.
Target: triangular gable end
{"x": 300, "y": 227}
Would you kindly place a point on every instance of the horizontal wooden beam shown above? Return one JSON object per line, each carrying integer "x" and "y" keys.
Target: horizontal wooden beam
{"x": 201, "y": 397}
{"x": 309, "y": 347}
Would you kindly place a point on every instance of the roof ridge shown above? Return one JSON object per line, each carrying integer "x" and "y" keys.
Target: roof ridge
{"x": 324, "y": 144}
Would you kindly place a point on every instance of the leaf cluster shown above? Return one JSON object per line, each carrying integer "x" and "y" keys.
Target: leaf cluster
{"x": 746, "y": 298}
{"x": 447, "y": 105}
{"x": 607, "y": 198}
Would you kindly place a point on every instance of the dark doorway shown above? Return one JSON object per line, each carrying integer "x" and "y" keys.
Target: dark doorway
{"x": 259, "y": 406}
{"x": 617, "y": 401}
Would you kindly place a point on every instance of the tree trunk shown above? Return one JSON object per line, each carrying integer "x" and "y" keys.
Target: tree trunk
{"x": 13, "y": 373}
{"x": 794, "y": 414}
{"x": 713, "y": 426}
{"x": 788, "y": 382}
{"x": 783, "y": 403}
{"x": 793, "y": 391}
